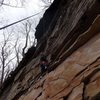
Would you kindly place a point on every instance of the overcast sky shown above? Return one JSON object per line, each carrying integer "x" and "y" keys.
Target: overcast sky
{"x": 10, "y": 14}
{"x": 27, "y": 8}
{"x": 24, "y": 9}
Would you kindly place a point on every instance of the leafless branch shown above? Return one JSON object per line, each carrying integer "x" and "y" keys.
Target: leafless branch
{"x": 10, "y": 5}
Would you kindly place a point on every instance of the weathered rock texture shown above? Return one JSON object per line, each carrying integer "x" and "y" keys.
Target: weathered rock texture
{"x": 70, "y": 38}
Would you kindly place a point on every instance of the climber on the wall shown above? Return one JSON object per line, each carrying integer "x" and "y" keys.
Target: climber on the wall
{"x": 43, "y": 64}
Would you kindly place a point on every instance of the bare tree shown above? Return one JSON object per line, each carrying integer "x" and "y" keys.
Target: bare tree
{"x": 1, "y": 2}
{"x": 27, "y": 32}
{"x": 9, "y": 3}
{"x": 47, "y": 2}
{"x": 27, "y": 29}
{"x": 17, "y": 48}
{"x": 5, "y": 57}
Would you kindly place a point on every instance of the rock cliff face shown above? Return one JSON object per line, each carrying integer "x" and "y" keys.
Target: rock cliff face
{"x": 70, "y": 38}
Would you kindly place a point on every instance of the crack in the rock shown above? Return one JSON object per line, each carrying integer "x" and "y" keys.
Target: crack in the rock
{"x": 81, "y": 72}
{"x": 38, "y": 95}
{"x": 83, "y": 98}
{"x": 17, "y": 96}
{"x": 69, "y": 92}
{"x": 65, "y": 98}
{"x": 96, "y": 97}
{"x": 86, "y": 80}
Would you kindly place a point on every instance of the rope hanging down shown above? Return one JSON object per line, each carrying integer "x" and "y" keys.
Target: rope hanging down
{"x": 20, "y": 20}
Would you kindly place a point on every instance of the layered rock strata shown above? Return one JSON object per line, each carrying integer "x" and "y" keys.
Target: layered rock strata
{"x": 71, "y": 42}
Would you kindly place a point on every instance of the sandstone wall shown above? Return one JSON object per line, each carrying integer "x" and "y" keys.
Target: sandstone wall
{"x": 72, "y": 47}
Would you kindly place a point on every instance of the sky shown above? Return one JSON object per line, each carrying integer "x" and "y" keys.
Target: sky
{"x": 24, "y": 9}
{"x": 10, "y": 14}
